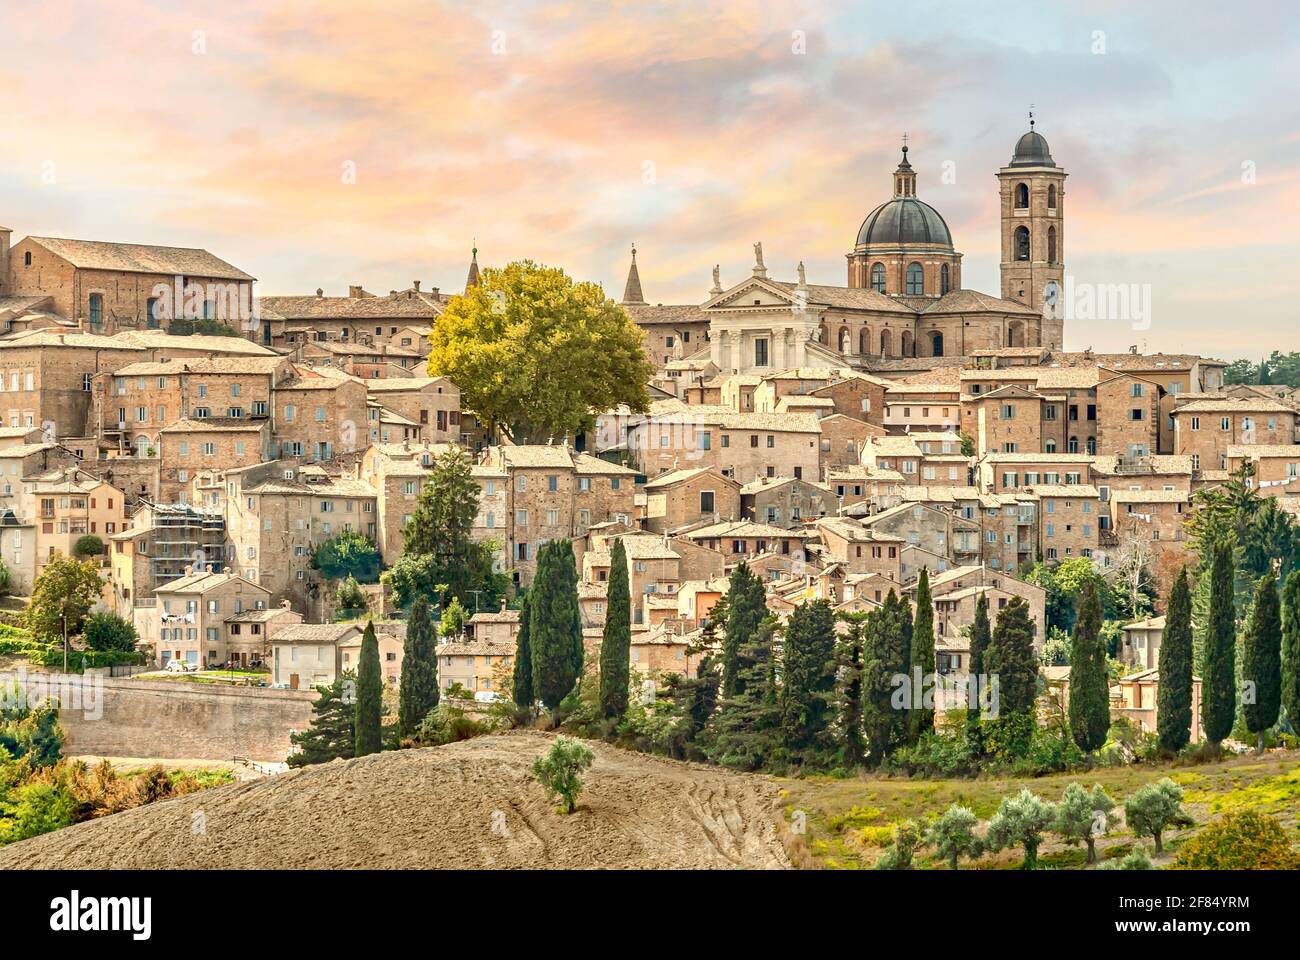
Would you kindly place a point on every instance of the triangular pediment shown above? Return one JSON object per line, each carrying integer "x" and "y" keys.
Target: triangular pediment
{"x": 749, "y": 293}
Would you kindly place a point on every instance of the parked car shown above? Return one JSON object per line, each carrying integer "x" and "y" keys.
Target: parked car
{"x": 181, "y": 666}
{"x": 488, "y": 696}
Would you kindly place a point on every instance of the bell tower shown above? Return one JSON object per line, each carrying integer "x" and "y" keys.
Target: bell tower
{"x": 1032, "y": 189}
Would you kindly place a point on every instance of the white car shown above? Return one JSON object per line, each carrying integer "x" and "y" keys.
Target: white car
{"x": 488, "y": 696}
{"x": 181, "y": 666}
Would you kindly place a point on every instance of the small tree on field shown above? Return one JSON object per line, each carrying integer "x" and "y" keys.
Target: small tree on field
{"x": 370, "y": 696}
{"x": 63, "y": 594}
{"x": 1020, "y": 821}
{"x": 1082, "y": 816}
{"x": 332, "y": 733}
{"x": 1154, "y": 808}
{"x": 559, "y": 770}
{"x": 953, "y": 835}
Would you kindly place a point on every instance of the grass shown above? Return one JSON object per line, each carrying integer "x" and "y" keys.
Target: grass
{"x": 849, "y": 820}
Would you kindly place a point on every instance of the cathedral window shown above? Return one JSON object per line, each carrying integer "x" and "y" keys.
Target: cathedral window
{"x": 944, "y": 280}
{"x": 1022, "y": 243}
{"x": 1051, "y": 244}
{"x": 878, "y": 277}
{"x": 1051, "y": 197}
{"x": 1022, "y": 196}
{"x": 915, "y": 280}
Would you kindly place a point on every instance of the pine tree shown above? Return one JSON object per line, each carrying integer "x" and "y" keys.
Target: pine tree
{"x": 808, "y": 681}
{"x": 521, "y": 687}
{"x": 923, "y": 668}
{"x": 851, "y": 657}
{"x": 1219, "y": 684}
{"x": 885, "y": 663}
{"x": 1261, "y": 661}
{"x": 1010, "y": 658}
{"x": 554, "y": 627}
{"x": 1291, "y": 650}
{"x": 1174, "y": 696}
{"x": 418, "y": 692}
{"x": 333, "y": 731}
{"x": 1089, "y": 711}
{"x": 744, "y": 732}
{"x": 746, "y": 608}
{"x": 616, "y": 642}
{"x": 980, "y": 637}
{"x": 370, "y": 695}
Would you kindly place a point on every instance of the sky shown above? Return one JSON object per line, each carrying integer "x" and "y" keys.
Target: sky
{"x": 324, "y": 144}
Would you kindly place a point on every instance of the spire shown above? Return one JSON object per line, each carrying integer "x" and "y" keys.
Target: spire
{"x": 472, "y": 279}
{"x": 904, "y": 176}
{"x": 632, "y": 292}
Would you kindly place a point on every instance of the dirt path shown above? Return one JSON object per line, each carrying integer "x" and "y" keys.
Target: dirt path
{"x": 471, "y": 804}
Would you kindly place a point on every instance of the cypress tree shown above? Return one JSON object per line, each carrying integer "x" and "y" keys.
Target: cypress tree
{"x": 979, "y": 642}
{"x": 1291, "y": 650}
{"x": 333, "y": 731}
{"x": 746, "y": 608}
{"x": 521, "y": 687}
{"x": 616, "y": 642}
{"x": 554, "y": 628}
{"x": 808, "y": 680}
{"x": 850, "y": 696}
{"x": 1174, "y": 696}
{"x": 1089, "y": 711}
{"x": 743, "y": 733}
{"x": 1010, "y": 658}
{"x": 370, "y": 694}
{"x": 418, "y": 692}
{"x": 1261, "y": 661}
{"x": 1219, "y": 684}
{"x": 921, "y": 656}
{"x": 885, "y": 662}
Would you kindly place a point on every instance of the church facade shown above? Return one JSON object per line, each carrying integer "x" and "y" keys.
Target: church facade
{"x": 903, "y": 297}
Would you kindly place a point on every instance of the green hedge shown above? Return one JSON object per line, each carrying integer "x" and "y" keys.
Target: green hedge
{"x": 51, "y": 654}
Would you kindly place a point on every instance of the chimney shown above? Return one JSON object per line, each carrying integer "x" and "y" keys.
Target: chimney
{"x": 354, "y": 293}
{"x": 320, "y": 291}
{"x": 226, "y": 571}
{"x": 437, "y": 294}
{"x": 503, "y": 604}
{"x": 188, "y": 570}
{"x": 415, "y": 284}
{"x": 285, "y": 604}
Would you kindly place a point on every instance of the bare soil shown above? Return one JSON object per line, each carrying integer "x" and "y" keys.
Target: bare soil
{"x": 472, "y": 804}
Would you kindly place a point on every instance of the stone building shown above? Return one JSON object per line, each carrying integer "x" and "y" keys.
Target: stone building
{"x": 680, "y": 498}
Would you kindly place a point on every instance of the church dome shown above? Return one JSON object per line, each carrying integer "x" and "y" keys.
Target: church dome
{"x": 1032, "y": 151}
{"x": 904, "y": 220}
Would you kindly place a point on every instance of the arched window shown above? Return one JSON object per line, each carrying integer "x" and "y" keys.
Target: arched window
{"x": 1022, "y": 196}
{"x": 1050, "y": 446}
{"x": 142, "y": 446}
{"x": 1073, "y": 445}
{"x": 886, "y": 343}
{"x": 1022, "y": 243}
{"x": 1051, "y": 244}
{"x": 915, "y": 280}
{"x": 864, "y": 342}
{"x": 96, "y": 309}
{"x": 908, "y": 349}
{"x": 936, "y": 344}
{"x": 1051, "y": 196}
{"x": 943, "y": 280}
{"x": 846, "y": 340}
{"x": 878, "y": 277}
{"x": 1092, "y": 446}
{"x": 823, "y": 335}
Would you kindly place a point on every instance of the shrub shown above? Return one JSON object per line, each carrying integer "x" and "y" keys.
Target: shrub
{"x": 448, "y": 724}
{"x": 107, "y": 632}
{"x": 559, "y": 770}
{"x": 1020, "y": 821}
{"x": 907, "y": 837}
{"x": 1050, "y": 750}
{"x": 935, "y": 755}
{"x": 952, "y": 835}
{"x": 1135, "y": 859}
{"x": 1244, "y": 840}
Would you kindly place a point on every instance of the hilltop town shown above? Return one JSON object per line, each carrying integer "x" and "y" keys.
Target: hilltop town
{"x": 838, "y": 440}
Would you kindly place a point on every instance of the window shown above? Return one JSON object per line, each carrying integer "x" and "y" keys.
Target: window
{"x": 552, "y": 483}
{"x": 1022, "y": 196}
{"x": 1021, "y": 245}
{"x": 1137, "y": 413}
{"x": 1051, "y": 196}
{"x": 760, "y": 352}
{"x": 1137, "y": 390}
{"x": 1225, "y": 423}
{"x": 290, "y": 412}
{"x": 1008, "y": 411}
{"x": 878, "y": 277}
{"x": 1196, "y": 423}
{"x": 96, "y": 306}
{"x": 320, "y": 414}
{"x": 915, "y": 280}
{"x": 944, "y": 281}
{"x": 1051, "y": 244}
